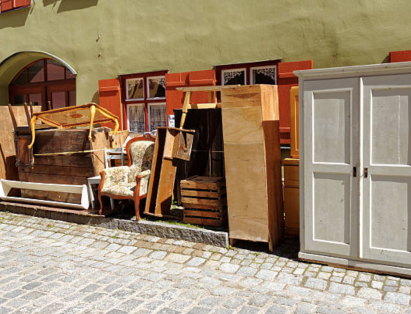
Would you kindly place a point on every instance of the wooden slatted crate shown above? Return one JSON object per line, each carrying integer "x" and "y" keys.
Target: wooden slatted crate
{"x": 204, "y": 200}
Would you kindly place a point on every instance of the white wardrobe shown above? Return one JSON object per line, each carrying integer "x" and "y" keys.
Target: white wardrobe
{"x": 355, "y": 169}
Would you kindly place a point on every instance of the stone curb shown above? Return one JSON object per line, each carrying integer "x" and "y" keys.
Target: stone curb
{"x": 158, "y": 229}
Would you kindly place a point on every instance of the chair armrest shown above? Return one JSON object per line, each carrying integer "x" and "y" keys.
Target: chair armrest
{"x": 143, "y": 174}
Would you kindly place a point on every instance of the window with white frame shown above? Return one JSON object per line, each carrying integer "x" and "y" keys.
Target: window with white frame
{"x": 136, "y": 118}
{"x": 234, "y": 77}
{"x": 157, "y": 115}
{"x": 263, "y": 75}
{"x": 144, "y": 96}
{"x": 264, "y": 72}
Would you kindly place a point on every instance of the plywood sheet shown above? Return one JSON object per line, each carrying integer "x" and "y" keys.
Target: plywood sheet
{"x": 253, "y": 163}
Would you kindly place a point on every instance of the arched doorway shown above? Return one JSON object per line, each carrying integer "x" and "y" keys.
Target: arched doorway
{"x": 44, "y": 82}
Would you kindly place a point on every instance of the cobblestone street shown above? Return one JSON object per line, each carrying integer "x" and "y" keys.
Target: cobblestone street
{"x": 50, "y": 266}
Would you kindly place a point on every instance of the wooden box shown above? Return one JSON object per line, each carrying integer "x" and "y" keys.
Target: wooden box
{"x": 292, "y": 196}
{"x": 253, "y": 163}
{"x": 204, "y": 200}
{"x": 294, "y": 146}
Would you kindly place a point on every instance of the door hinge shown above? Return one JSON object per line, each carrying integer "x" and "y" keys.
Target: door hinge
{"x": 365, "y": 172}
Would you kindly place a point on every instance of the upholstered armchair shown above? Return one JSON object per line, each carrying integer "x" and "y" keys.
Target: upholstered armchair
{"x": 129, "y": 182}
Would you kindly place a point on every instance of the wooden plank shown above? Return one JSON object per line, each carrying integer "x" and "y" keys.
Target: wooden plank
{"x": 75, "y": 160}
{"x": 49, "y": 178}
{"x": 200, "y": 201}
{"x": 8, "y": 168}
{"x": 203, "y": 214}
{"x": 199, "y": 193}
{"x": 274, "y": 182}
{"x": 269, "y": 103}
{"x": 200, "y": 89}
{"x": 202, "y": 186}
{"x": 203, "y": 221}
{"x": 60, "y": 171}
{"x": 155, "y": 172}
{"x": 52, "y": 196}
{"x": 207, "y": 206}
{"x": 203, "y": 179}
{"x": 253, "y": 164}
{"x": 242, "y": 103}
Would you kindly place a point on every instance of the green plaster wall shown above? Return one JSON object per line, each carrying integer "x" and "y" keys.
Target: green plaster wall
{"x": 101, "y": 39}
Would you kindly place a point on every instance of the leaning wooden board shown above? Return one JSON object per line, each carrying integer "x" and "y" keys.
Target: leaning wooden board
{"x": 65, "y": 169}
{"x": 8, "y": 168}
{"x": 253, "y": 163}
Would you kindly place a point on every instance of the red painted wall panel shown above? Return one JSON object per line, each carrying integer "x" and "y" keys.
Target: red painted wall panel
{"x": 6, "y": 5}
{"x": 21, "y": 3}
{"x": 400, "y": 56}
{"x": 110, "y": 99}
{"x": 175, "y": 98}
{"x": 287, "y": 79}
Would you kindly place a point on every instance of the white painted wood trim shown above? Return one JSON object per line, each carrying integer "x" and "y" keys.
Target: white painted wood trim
{"x": 7, "y": 185}
{"x": 366, "y": 266}
{"x": 355, "y": 71}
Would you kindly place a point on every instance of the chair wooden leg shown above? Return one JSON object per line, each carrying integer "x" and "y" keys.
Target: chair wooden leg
{"x": 100, "y": 199}
{"x": 137, "y": 198}
{"x": 137, "y": 207}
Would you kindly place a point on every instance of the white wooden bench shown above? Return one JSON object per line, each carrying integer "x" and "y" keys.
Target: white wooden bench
{"x": 7, "y": 185}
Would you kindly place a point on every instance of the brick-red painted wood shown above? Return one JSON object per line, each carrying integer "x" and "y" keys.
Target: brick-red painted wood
{"x": 21, "y": 3}
{"x": 400, "y": 56}
{"x": 175, "y": 98}
{"x": 110, "y": 99}
{"x": 287, "y": 79}
{"x": 6, "y": 5}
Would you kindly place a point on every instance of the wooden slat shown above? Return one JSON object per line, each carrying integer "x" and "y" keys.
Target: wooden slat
{"x": 200, "y": 193}
{"x": 189, "y": 200}
{"x": 203, "y": 214}
{"x": 203, "y": 221}
{"x": 202, "y": 206}
{"x": 60, "y": 171}
{"x": 201, "y": 186}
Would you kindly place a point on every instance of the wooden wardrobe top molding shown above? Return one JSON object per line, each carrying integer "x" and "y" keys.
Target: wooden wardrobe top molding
{"x": 358, "y": 70}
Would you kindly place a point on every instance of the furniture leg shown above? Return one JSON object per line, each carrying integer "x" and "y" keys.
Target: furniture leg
{"x": 100, "y": 198}
{"x": 137, "y": 198}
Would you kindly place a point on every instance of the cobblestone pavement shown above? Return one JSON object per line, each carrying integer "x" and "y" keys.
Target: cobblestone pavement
{"x": 52, "y": 267}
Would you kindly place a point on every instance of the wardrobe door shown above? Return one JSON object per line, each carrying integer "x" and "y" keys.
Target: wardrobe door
{"x": 386, "y": 228}
{"x": 330, "y": 156}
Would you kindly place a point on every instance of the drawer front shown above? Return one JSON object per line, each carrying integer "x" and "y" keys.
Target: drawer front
{"x": 291, "y": 176}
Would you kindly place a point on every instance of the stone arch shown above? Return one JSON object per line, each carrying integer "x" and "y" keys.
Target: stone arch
{"x": 10, "y": 67}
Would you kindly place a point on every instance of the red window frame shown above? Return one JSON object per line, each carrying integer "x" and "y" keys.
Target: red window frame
{"x": 8, "y": 5}
{"x": 247, "y": 66}
{"x": 145, "y": 100}
{"x": 45, "y": 88}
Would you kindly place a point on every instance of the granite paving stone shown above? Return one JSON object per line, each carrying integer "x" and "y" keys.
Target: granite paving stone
{"x": 49, "y": 266}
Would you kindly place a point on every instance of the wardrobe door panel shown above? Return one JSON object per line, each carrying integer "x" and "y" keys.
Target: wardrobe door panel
{"x": 386, "y": 232}
{"x": 331, "y": 151}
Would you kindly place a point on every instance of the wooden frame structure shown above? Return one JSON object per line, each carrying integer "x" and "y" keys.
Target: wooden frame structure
{"x": 136, "y": 197}
{"x": 96, "y": 113}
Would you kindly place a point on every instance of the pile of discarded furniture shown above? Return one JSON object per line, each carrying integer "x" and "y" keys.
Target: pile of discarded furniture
{"x": 222, "y": 164}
